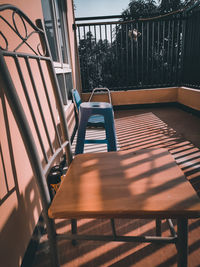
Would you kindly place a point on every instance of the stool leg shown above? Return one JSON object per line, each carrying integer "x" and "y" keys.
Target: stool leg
{"x": 182, "y": 228}
{"x": 81, "y": 135}
{"x": 110, "y": 131}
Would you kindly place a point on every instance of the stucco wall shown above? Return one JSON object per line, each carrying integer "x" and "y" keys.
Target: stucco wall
{"x": 20, "y": 211}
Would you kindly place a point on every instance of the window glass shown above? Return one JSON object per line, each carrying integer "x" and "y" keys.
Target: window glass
{"x": 49, "y": 27}
{"x": 54, "y": 12}
{"x": 61, "y": 29}
{"x": 69, "y": 85}
{"x": 62, "y": 84}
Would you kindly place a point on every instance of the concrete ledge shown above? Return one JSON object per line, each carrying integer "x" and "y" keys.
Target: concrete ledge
{"x": 142, "y": 96}
{"x": 189, "y": 97}
{"x": 183, "y": 95}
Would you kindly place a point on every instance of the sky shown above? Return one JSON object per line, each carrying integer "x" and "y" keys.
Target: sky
{"x": 90, "y": 8}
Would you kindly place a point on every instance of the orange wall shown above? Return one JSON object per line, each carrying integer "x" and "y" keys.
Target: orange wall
{"x": 21, "y": 209}
{"x": 144, "y": 96}
{"x": 183, "y": 95}
{"x": 189, "y": 97}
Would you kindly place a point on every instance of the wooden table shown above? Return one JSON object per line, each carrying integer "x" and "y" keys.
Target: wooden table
{"x": 128, "y": 184}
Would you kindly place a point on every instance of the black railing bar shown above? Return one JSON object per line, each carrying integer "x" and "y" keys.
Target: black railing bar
{"x": 137, "y": 59}
{"x": 111, "y": 41}
{"x": 127, "y": 56}
{"x": 39, "y": 103}
{"x": 95, "y": 34}
{"x": 189, "y": 40}
{"x": 100, "y": 32}
{"x": 86, "y": 55}
{"x": 106, "y": 32}
{"x": 132, "y": 56}
{"x": 162, "y": 49}
{"x": 116, "y": 50}
{"x": 177, "y": 52}
{"x": 158, "y": 51}
{"x": 49, "y": 102}
{"x": 30, "y": 107}
{"x": 147, "y": 57}
{"x": 172, "y": 51}
{"x": 152, "y": 52}
{"x": 84, "y": 32}
{"x": 90, "y": 38}
{"x": 121, "y": 50}
{"x": 142, "y": 71}
{"x": 95, "y": 37}
{"x": 79, "y": 34}
{"x": 168, "y": 49}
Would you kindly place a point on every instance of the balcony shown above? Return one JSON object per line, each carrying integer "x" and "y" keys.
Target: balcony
{"x": 161, "y": 57}
{"x": 152, "y": 69}
{"x": 138, "y": 128}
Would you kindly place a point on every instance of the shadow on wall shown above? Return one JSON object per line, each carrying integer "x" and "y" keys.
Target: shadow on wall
{"x": 19, "y": 210}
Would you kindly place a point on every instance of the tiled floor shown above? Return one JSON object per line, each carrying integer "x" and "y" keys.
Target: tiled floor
{"x": 171, "y": 128}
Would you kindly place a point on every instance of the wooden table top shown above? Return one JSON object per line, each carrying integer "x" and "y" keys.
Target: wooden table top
{"x": 125, "y": 184}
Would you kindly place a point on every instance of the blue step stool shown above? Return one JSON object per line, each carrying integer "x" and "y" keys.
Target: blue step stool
{"x": 88, "y": 109}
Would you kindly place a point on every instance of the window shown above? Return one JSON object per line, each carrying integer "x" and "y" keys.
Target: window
{"x": 54, "y": 12}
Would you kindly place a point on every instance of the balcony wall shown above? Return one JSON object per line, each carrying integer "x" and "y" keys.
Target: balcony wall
{"x": 141, "y": 96}
{"x": 189, "y": 97}
{"x": 186, "y": 96}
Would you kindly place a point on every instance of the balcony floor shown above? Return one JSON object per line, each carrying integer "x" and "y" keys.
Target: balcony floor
{"x": 168, "y": 127}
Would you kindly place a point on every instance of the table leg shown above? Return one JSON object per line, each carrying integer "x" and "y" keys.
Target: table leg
{"x": 74, "y": 230}
{"x": 158, "y": 227}
{"x": 182, "y": 246}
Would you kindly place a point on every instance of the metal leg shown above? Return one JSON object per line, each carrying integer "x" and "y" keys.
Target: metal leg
{"x": 182, "y": 245}
{"x": 110, "y": 131}
{"x": 158, "y": 227}
{"x": 74, "y": 230}
{"x": 113, "y": 227}
{"x": 51, "y": 232}
{"x": 81, "y": 134}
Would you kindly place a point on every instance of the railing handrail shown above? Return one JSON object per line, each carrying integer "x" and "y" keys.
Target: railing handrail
{"x": 129, "y": 19}
{"x": 100, "y": 17}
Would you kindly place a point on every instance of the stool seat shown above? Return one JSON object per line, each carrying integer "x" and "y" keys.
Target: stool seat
{"x": 88, "y": 109}
{"x": 95, "y": 105}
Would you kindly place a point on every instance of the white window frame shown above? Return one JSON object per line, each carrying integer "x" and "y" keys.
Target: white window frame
{"x": 61, "y": 68}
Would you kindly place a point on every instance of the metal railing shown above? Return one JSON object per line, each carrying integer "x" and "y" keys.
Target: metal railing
{"x": 191, "y": 55}
{"x": 142, "y": 53}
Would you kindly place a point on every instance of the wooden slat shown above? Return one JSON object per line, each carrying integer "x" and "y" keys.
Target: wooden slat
{"x": 125, "y": 184}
